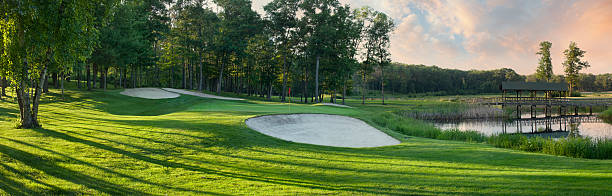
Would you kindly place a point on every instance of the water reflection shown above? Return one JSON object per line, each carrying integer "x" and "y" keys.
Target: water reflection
{"x": 556, "y": 127}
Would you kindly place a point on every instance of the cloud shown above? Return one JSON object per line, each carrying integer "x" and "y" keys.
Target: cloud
{"x": 465, "y": 34}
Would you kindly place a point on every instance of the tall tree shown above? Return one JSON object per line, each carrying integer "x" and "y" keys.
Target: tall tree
{"x": 41, "y": 34}
{"x": 378, "y": 40}
{"x": 318, "y": 29}
{"x": 238, "y": 24}
{"x": 573, "y": 64}
{"x": 365, "y": 68}
{"x": 282, "y": 15}
{"x": 544, "y": 71}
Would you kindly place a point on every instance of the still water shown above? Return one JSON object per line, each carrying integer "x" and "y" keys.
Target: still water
{"x": 587, "y": 126}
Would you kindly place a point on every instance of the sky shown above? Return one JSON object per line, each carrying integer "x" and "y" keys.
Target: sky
{"x": 492, "y": 34}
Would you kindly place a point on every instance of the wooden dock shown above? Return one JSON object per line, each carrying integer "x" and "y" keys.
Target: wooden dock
{"x": 563, "y": 105}
{"x": 542, "y": 101}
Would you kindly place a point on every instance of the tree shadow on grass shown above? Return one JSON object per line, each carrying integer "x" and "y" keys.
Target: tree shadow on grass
{"x": 321, "y": 182}
{"x": 109, "y": 171}
{"x": 57, "y": 171}
{"x": 8, "y": 112}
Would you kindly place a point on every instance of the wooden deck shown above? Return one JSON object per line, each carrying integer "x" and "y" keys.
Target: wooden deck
{"x": 580, "y": 102}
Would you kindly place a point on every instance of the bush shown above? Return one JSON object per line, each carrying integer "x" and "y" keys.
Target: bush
{"x": 606, "y": 115}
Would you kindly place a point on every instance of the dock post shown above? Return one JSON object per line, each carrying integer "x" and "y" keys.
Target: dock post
{"x": 591, "y": 111}
{"x": 575, "y": 110}
{"x": 560, "y": 111}
{"x": 547, "y": 111}
{"x": 532, "y": 112}
{"x": 518, "y": 111}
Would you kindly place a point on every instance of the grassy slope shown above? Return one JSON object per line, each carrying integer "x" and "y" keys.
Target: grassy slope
{"x": 106, "y": 143}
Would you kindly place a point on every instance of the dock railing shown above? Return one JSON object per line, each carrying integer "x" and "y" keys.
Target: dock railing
{"x": 541, "y": 101}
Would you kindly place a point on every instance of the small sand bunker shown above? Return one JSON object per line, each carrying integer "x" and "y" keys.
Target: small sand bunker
{"x": 149, "y": 93}
{"x": 336, "y": 105}
{"x": 321, "y": 129}
{"x": 198, "y": 94}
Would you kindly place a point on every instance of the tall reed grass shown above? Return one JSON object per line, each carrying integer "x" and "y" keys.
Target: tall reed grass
{"x": 452, "y": 111}
{"x": 606, "y": 115}
{"x": 418, "y": 128}
{"x": 577, "y": 147}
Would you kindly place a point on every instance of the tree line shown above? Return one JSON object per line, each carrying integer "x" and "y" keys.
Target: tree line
{"x": 312, "y": 46}
{"x": 297, "y": 48}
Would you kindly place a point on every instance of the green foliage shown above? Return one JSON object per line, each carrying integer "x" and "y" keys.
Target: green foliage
{"x": 544, "y": 71}
{"x": 571, "y": 146}
{"x": 573, "y": 63}
{"x": 409, "y": 79}
{"x": 458, "y": 135}
{"x": 607, "y": 116}
{"x": 42, "y": 36}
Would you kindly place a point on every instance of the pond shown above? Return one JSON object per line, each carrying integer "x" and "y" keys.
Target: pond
{"x": 556, "y": 127}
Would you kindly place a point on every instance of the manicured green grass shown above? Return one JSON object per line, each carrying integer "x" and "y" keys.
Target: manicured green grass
{"x": 104, "y": 143}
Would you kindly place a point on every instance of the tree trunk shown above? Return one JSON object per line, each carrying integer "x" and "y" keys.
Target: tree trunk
{"x": 306, "y": 95}
{"x": 201, "y": 76}
{"x": 190, "y": 75}
{"x": 184, "y": 76}
{"x": 382, "y": 84}
{"x": 79, "y": 78}
{"x": 101, "y": 79}
{"x": 343, "y": 92}
{"x": 29, "y": 116}
{"x": 269, "y": 91}
{"x": 284, "y": 78}
{"x": 363, "y": 88}
{"x": 36, "y": 99}
{"x": 105, "y": 72}
{"x": 317, "y": 81}
{"x": 2, "y": 84}
{"x": 133, "y": 77}
{"x": 94, "y": 76}
{"x": 88, "y": 77}
{"x": 5, "y": 83}
{"x": 46, "y": 86}
{"x": 120, "y": 78}
{"x": 54, "y": 77}
{"x": 62, "y": 83}
{"x": 220, "y": 77}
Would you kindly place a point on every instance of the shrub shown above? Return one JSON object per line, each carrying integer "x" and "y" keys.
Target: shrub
{"x": 606, "y": 115}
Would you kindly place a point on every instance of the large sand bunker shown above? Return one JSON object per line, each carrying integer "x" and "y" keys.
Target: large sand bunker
{"x": 321, "y": 129}
{"x": 149, "y": 93}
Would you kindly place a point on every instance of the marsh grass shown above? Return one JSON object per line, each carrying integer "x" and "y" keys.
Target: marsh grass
{"x": 577, "y": 147}
{"x": 452, "y": 111}
{"x": 419, "y": 128}
{"x": 606, "y": 116}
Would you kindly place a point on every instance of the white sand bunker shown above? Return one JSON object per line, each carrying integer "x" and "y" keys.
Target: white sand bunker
{"x": 198, "y": 94}
{"x": 321, "y": 129}
{"x": 336, "y": 105}
{"x": 149, "y": 93}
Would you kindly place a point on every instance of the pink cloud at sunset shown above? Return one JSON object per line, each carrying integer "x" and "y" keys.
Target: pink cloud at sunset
{"x": 463, "y": 34}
